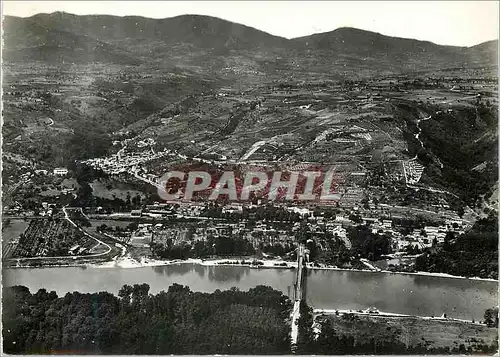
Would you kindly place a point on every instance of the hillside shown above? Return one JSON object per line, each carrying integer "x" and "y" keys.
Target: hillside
{"x": 29, "y": 40}
{"x": 199, "y": 31}
{"x": 214, "y": 43}
{"x": 484, "y": 52}
{"x": 374, "y": 49}
{"x": 178, "y": 38}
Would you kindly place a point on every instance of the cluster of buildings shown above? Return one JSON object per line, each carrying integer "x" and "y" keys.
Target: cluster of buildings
{"x": 263, "y": 232}
{"x": 20, "y": 97}
{"x": 77, "y": 250}
{"x": 422, "y": 238}
{"x": 122, "y": 162}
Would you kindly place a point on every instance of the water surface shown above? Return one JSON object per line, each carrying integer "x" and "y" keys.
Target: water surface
{"x": 329, "y": 289}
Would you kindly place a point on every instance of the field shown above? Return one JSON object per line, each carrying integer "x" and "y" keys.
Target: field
{"x": 414, "y": 332}
{"x": 52, "y": 237}
{"x": 116, "y": 189}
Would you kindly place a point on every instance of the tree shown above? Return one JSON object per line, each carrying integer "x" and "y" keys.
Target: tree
{"x": 355, "y": 218}
{"x": 491, "y": 317}
{"x": 365, "y": 202}
{"x": 367, "y": 244}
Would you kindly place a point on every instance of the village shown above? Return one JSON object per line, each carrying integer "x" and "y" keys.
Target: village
{"x": 273, "y": 230}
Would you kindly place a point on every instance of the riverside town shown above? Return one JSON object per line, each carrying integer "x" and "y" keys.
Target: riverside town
{"x": 250, "y": 178}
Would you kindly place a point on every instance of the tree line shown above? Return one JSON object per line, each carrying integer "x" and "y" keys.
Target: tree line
{"x": 213, "y": 246}
{"x": 177, "y": 321}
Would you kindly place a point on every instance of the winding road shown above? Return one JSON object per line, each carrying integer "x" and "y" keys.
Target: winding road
{"x": 71, "y": 257}
{"x": 66, "y": 216}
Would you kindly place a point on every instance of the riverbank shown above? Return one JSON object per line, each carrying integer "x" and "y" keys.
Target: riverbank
{"x": 382, "y": 314}
{"x": 127, "y": 262}
{"x": 326, "y": 289}
{"x": 421, "y": 273}
{"x": 417, "y": 334}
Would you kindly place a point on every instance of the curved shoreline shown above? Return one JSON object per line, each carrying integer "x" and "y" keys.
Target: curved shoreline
{"x": 420, "y": 273}
{"x": 129, "y": 263}
{"x": 383, "y": 314}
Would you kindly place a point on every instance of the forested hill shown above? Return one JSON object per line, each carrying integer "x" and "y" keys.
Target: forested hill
{"x": 178, "y": 321}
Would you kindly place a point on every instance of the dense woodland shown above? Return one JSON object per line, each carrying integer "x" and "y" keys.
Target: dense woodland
{"x": 220, "y": 247}
{"x": 473, "y": 142}
{"x": 450, "y": 159}
{"x": 177, "y": 321}
{"x": 474, "y": 253}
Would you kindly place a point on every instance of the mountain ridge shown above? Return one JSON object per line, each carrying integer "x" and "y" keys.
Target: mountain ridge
{"x": 137, "y": 39}
{"x": 225, "y": 20}
{"x": 229, "y": 21}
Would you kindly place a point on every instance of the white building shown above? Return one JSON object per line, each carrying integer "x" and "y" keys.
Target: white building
{"x": 60, "y": 171}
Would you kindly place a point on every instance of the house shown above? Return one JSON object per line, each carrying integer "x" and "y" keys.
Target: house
{"x": 60, "y": 171}
{"x": 431, "y": 231}
{"x": 73, "y": 249}
{"x": 141, "y": 240}
{"x": 386, "y": 223}
{"x": 136, "y": 213}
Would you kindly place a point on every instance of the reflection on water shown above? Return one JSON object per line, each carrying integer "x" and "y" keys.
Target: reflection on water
{"x": 173, "y": 270}
{"x": 224, "y": 274}
{"x": 218, "y": 274}
{"x": 407, "y": 294}
{"x": 434, "y": 281}
{"x": 399, "y": 293}
{"x": 199, "y": 269}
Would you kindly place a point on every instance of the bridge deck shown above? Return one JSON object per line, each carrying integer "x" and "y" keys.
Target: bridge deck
{"x": 298, "y": 295}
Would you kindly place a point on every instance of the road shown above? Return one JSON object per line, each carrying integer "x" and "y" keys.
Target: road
{"x": 66, "y": 216}
{"x": 445, "y": 215}
{"x": 256, "y": 146}
{"x": 71, "y": 257}
{"x": 298, "y": 294}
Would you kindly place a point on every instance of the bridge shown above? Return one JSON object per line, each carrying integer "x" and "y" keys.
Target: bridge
{"x": 299, "y": 293}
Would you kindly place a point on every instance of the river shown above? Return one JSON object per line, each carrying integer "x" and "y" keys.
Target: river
{"x": 327, "y": 289}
